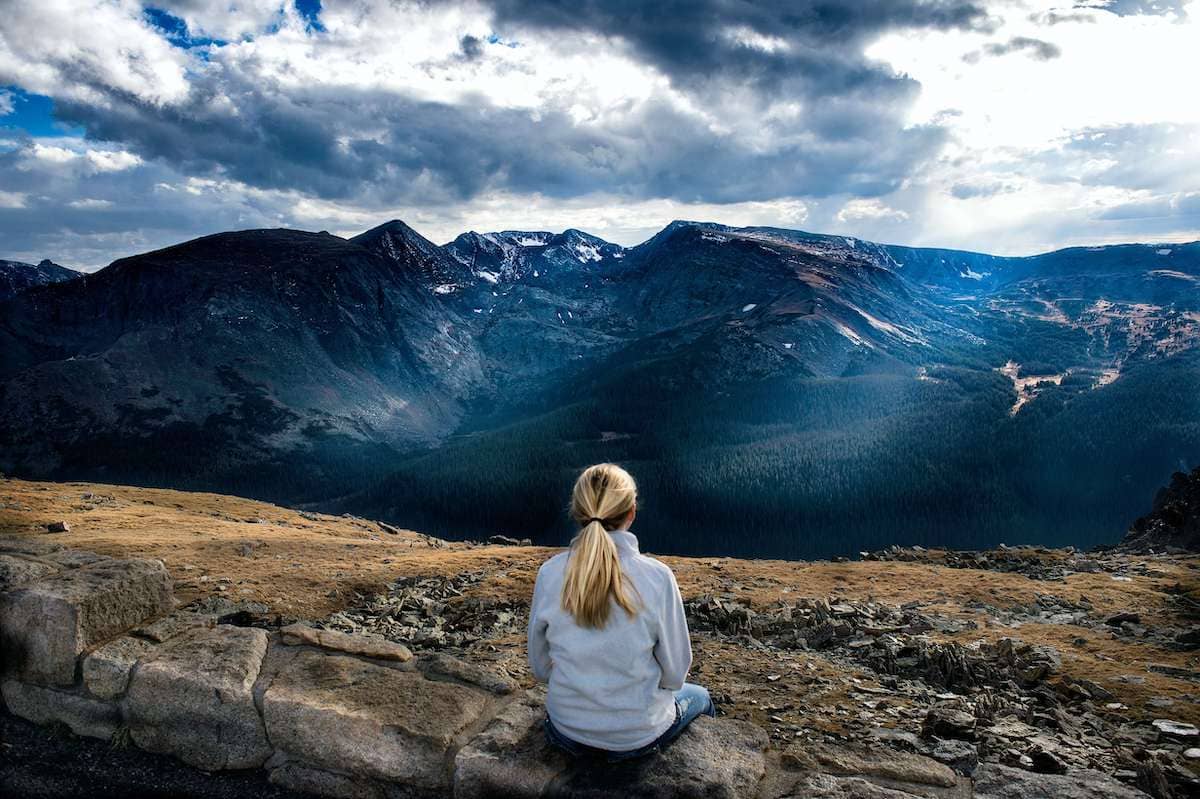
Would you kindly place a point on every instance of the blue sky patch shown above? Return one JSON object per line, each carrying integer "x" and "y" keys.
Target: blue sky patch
{"x": 34, "y": 114}
{"x": 311, "y": 11}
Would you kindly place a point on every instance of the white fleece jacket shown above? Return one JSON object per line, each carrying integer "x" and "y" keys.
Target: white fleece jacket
{"x": 612, "y": 688}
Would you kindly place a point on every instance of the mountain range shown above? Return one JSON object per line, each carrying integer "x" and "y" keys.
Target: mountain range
{"x": 777, "y": 393}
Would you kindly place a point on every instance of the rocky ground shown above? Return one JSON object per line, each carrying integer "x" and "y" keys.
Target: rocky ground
{"x": 1048, "y": 661}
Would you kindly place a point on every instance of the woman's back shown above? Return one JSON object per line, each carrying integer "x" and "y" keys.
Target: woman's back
{"x": 611, "y": 687}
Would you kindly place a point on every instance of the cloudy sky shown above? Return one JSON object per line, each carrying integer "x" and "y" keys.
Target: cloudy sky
{"x": 1007, "y": 127}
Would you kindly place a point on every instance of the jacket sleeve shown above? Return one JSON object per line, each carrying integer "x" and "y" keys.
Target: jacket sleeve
{"x": 539, "y": 649}
{"x": 673, "y": 651}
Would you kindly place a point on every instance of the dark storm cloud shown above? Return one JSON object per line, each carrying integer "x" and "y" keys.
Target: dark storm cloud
{"x": 436, "y": 153}
{"x": 734, "y": 59}
{"x": 1035, "y": 48}
{"x": 697, "y": 42}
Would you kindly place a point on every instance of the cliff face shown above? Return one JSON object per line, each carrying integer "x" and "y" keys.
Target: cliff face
{"x": 1174, "y": 523}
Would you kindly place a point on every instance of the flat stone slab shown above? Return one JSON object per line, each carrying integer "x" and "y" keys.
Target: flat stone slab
{"x": 16, "y": 570}
{"x": 46, "y": 626}
{"x": 994, "y": 781}
{"x": 85, "y": 716}
{"x": 192, "y": 698}
{"x": 369, "y": 646}
{"x": 168, "y": 627}
{"x": 721, "y": 759}
{"x": 29, "y": 546}
{"x": 440, "y": 666}
{"x": 106, "y": 669}
{"x": 366, "y": 722}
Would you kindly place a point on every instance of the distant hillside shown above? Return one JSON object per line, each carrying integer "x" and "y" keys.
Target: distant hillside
{"x": 776, "y": 392}
{"x": 16, "y": 276}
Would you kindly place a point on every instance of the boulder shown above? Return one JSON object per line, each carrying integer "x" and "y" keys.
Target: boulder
{"x": 440, "y": 666}
{"x": 882, "y": 765}
{"x": 829, "y": 786}
{"x": 378, "y": 724}
{"x": 85, "y": 716}
{"x": 45, "y": 626}
{"x": 16, "y": 571}
{"x": 192, "y": 697}
{"x": 994, "y": 781}
{"x": 370, "y": 646}
{"x": 511, "y": 758}
{"x": 28, "y": 546}
{"x": 169, "y": 626}
{"x": 106, "y": 669}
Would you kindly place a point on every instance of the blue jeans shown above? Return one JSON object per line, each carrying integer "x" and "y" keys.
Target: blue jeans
{"x": 691, "y": 701}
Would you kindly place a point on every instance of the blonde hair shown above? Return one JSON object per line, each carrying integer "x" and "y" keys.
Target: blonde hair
{"x": 603, "y": 497}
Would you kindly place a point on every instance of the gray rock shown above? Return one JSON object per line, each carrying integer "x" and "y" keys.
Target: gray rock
{"x": 192, "y": 697}
{"x": 510, "y": 758}
{"x": 1176, "y": 729}
{"x": 16, "y": 571}
{"x": 46, "y": 626}
{"x": 28, "y": 546}
{"x": 106, "y": 669}
{"x": 948, "y": 722}
{"x": 961, "y": 756}
{"x": 85, "y": 716}
{"x": 336, "y": 713}
{"x": 994, "y": 781}
{"x": 74, "y": 558}
{"x": 887, "y": 766}
{"x": 370, "y": 646}
{"x": 319, "y": 782}
{"x": 440, "y": 666}
{"x": 828, "y": 786}
{"x": 58, "y": 527}
{"x": 168, "y": 627}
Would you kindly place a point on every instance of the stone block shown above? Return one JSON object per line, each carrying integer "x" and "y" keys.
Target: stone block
{"x": 370, "y": 646}
{"x": 440, "y": 666}
{"x": 16, "y": 571}
{"x": 993, "y": 781}
{"x": 721, "y": 759}
{"x": 372, "y": 722}
{"x": 106, "y": 669}
{"x": 85, "y": 716}
{"x": 168, "y": 627}
{"x": 46, "y": 626}
{"x": 192, "y": 698}
{"x": 29, "y": 546}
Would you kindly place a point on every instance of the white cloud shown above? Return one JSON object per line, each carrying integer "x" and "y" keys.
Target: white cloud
{"x": 227, "y": 19}
{"x": 63, "y": 49}
{"x": 872, "y": 209}
{"x": 90, "y": 203}
{"x": 112, "y": 160}
{"x": 6, "y": 102}
{"x": 12, "y": 199}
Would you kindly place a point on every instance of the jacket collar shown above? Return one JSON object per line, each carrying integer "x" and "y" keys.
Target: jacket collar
{"x": 625, "y": 541}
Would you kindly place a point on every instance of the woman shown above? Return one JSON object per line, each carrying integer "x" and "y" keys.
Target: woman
{"x": 607, "y": 631}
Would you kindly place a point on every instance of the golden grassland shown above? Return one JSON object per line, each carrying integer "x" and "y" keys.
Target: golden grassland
{"x": 311, "y": 565}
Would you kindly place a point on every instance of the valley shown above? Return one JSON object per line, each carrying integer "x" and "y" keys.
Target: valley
{"x": 777, "y": 393}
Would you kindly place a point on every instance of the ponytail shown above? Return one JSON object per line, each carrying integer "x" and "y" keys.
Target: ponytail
{"x": 604, "y": 496}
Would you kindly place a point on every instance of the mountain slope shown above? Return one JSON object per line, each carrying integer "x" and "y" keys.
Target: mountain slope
{"x": 776, "y": 392}
{"x": 202, "y": 360}
{"x": 16, "y": 276}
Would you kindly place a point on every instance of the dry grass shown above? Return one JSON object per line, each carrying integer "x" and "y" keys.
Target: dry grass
{"x": 311, "y": 567}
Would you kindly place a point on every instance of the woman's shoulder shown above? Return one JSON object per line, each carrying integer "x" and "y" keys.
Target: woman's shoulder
{"x": 554, "y": 564}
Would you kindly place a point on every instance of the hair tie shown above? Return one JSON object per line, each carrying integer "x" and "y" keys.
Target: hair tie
{"x": 595, "y": 519}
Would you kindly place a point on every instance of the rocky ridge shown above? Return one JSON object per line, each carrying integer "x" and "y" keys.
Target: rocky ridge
{"x": 349, "y": 715}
